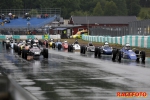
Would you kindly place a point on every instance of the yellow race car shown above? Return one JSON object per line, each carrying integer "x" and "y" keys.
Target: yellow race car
{"x": 51, "y": 42}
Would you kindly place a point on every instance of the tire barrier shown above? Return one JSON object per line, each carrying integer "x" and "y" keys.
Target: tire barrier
{"x": 133, "y": 40}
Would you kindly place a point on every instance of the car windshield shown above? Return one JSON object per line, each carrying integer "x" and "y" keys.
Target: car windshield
{"x": 127, "y": 47}
{"x": 106, "y": 47}
{"x": 34, "y": 46}
{"x": 90, "y": 44}
{"x": 65, "y": 43}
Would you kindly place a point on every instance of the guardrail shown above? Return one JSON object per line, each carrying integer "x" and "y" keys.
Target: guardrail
{"x": 17, "y": 92}
{"x": 30, "y": 36}
{"x": 133, "y": 40}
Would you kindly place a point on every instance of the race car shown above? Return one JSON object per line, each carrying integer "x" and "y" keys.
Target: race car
{"x": 51, "y": 42}
{"x": 20, "y": 46}
{"x": 34, "y": 51}
{"x": 65, "y": 45}
{"x": 105, "y": 49}
{"x": 89, "y": 48}
{"x": 74, "y": 46}
{"x": 57, "y": 44}
{"x": 9, "y": 42}
{"x": 127, "y": 53}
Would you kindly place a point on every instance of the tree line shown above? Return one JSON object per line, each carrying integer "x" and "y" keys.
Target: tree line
{"x": 82, "y": 7}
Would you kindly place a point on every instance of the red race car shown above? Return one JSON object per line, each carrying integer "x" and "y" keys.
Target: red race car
{"x": 65, "y": 45}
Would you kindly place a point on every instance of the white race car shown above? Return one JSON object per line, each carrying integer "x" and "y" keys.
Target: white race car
{"x": 76, "y": 46}
{"x": 90, "y": 47}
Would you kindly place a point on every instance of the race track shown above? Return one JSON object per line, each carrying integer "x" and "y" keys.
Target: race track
{"x": 71, "y": 76}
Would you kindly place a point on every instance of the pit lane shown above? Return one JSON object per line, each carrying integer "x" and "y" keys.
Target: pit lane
{"x": 71, "y": 76}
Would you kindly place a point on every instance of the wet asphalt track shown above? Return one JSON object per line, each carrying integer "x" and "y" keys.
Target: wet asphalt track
{"x": 71, "y": 76}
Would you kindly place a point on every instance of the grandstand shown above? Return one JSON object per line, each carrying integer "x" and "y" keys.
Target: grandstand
{"x": 23, "y": 23}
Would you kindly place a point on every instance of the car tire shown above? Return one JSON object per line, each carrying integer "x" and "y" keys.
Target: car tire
{"x": 3, "y": 43}
{"x": 96, "y": 52}
{"x": 137, "y": 55}
{"x": 22, "y": 55}
{"x": 59, "y": 46}
{"x": 45, "y": 53}
{"x": 25, "y": 54}
{"x": 99, "y": 52}
{"x": 19, "y": 50}
{"x": 119, "y": 56}
{"x": 71, "y": 48}
{"x": 7, "y": 46}
{"x": 14, "y": 47}
{"x": 68, "y": 48}
{"x": 143, "y": 56}
{"x": 84, "y": 49}
{"x": 81, "y": 49}
{"x": 53, "y": 45}
{"x": 46, "y": 44}
{"x": 114, "y": 54}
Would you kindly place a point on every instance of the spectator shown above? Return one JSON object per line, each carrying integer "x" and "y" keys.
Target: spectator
{"x": 10, "y": 16}
{"x": 6, "y": 20}
{"x": 28, "y": 18}
{"x": 46, "y": 15}
{"x": 3, "y": 17}
{"x": 15, "y": 16}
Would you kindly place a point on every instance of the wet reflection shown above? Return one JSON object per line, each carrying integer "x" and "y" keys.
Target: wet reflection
{"x": 66, "y": 78}
{"x": 123, "y": 61}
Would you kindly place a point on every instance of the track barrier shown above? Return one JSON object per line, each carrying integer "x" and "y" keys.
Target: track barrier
{"x": 133, "y": 40}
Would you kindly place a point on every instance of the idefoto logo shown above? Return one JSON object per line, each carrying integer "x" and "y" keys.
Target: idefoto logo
{"x": 131, "y": 94}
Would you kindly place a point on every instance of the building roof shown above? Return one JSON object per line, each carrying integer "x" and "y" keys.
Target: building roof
{"x": 103, "y": 19}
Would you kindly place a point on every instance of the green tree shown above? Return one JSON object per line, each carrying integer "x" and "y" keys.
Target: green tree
{"x": 122, "y": 7}
{"x": 133, "y": 7}
{"x": 97, "y": 11}
{"x": 142, "y": 15}
{"x": 110, "y": 9}
{"x": 79, "y": 13}
{"x": 17, "y": 4}
{"x": 103, "y": 2}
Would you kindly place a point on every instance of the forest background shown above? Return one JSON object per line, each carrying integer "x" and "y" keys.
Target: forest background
{"x": 138, "y": 8}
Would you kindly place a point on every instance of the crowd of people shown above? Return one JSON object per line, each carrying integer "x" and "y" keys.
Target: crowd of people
{"x": 6, "y": 19}
{"x": 10, "y": 16}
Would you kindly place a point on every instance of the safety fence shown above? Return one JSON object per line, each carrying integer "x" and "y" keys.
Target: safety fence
{"x": 30, "y": 36}
{"x": 133, "y": 40}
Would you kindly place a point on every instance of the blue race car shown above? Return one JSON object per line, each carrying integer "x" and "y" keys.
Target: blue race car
{"x": 105, "y": 49}
{"x": 127, "y": 53}
{"x": 58, "y": 45}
